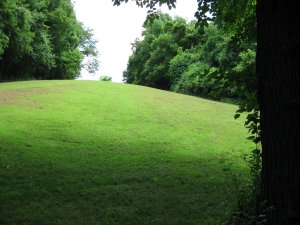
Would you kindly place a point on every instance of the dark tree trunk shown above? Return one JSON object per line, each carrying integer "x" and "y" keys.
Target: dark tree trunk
{"x": 278, "y": 71}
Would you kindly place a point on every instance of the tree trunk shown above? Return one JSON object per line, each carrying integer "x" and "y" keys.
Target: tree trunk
{"x": 278, "y": 73}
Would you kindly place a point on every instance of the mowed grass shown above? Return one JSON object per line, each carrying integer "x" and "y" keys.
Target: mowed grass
{"x": 90, "y": 152}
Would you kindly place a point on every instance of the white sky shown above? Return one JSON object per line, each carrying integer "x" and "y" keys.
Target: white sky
{"x": 115, "y": 27}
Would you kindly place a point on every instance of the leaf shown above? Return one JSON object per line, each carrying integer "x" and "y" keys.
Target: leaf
{"x": 256, "y": 140}
{"x": 251, "y": 138}
{"x": 237, "y": 115}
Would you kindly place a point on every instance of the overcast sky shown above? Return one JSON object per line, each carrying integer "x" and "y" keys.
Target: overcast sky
{"x": 115, "y": 27}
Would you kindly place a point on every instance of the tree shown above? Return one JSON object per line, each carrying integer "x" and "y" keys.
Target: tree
{"x": 149, "y": 63}
{"x": 163, "y": 39}
{"x": 179, "y": 56}
{"x": 15, "y": 37}
{"x": 43, "y": 40}
{"x": 278, "y": 68}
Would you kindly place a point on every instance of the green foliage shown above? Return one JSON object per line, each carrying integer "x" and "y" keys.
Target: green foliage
{"x": 69, "y": 64}
{"x": 178, "y": 65}
{"x": 42, "y": 39}
{"x": 170, "y": 58}
{"x": 105, "y": 78}
{"x": 204, "y": 72}
{"x": 163, "y": 37}
{"x": 156, "y": 67}
{"x": 150, "y": 4}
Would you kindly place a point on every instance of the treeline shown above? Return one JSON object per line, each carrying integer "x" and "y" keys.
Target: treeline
{"x": 179, "y": 56}
{"x": 43, "y": 40}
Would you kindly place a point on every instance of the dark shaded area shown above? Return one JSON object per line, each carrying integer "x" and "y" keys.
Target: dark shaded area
{"x": 278, "y": 72}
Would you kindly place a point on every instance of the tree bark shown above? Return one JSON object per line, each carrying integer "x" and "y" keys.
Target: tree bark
{"x": 278, "y": 74}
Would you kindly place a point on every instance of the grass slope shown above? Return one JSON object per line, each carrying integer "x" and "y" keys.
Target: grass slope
{"x": 90, "y": 152}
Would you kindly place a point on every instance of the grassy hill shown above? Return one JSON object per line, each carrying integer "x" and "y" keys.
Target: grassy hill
{"x": 90, "y": 152}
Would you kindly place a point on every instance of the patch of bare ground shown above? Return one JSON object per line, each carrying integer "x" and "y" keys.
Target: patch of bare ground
{"x": 12, "y": 96}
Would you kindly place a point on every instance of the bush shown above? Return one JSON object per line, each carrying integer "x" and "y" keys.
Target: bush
{"x": 105, "y": 78}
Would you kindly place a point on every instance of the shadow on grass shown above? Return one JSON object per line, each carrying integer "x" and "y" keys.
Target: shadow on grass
{"x": 106, "y": 189}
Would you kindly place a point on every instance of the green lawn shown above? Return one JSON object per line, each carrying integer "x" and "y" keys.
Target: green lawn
{"x": 91, "y": 152}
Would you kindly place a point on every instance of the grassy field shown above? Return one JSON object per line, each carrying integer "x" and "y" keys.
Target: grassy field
{"x": 90, "y": 152}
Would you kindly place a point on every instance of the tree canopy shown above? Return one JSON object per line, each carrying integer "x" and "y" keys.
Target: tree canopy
{"x": 42, "y": 40}
{"x": 180, "y": 56}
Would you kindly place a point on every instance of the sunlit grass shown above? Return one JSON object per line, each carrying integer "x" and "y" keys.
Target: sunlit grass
{"x": 90, "y": 152}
